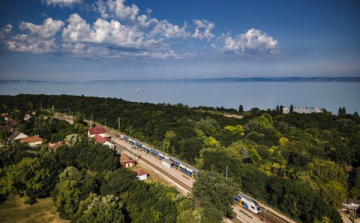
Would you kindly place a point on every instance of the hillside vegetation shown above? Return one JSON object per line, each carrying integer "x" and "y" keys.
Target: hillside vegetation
{"x": 295, "y": 162}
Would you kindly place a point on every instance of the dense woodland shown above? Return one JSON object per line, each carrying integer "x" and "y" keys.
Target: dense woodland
{"x": 296, "y": 163}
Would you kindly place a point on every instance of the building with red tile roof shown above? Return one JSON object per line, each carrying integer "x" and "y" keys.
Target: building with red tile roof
{"x": 33, "y": 141}
{"x": 104, "y": 141}
{"x": 140, "y": 174}
{"x": 96, "y": 131}
{"x": 53, "y": 146}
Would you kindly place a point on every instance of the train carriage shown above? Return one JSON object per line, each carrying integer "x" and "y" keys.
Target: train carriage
{"x": 176, "y": 164}
{"x": 248, "y": 203}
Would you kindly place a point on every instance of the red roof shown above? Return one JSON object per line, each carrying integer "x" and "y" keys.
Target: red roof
{"x": 55, "y": 144}
{"x": 140, "y": 172}
{"x": 97, "y": 130}
{"x": 31, "y": 139}
{"x": 100, "y": 139}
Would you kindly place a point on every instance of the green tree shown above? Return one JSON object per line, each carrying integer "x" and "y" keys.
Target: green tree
{"x": 101, "y": 209}
{"x": 213, "y": 190}
{"x": 241, "y": 109}
{"x": 19, "y": 178}
{"x": 291, "y": 108}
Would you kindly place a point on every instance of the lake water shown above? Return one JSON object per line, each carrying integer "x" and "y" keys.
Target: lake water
{"x": 328, "y": 95}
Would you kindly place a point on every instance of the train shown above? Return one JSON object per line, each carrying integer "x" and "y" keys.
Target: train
{"x": 248, "y": 203}
{"x": 190, "y": 171}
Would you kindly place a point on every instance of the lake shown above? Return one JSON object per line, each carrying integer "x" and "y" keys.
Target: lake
{"x": 328, "y": 95}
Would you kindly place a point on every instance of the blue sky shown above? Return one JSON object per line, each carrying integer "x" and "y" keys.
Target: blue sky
{"x": 84, "y": 40}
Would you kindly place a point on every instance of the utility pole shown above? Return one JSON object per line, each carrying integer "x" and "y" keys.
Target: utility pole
{"x": 227, "y": 168}
{"x": 41, "y": 106}
{"x": 119, "y": 124}
{"x": 130, "y": 130}
{"x": 91, "y": 121}
{"x": 105, "y": 122}
{"x": 138, "y": 91}
{"x": 164, "y": 146}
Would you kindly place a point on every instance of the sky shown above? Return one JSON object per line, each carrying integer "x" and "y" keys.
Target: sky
{"x": 83, "y": 40}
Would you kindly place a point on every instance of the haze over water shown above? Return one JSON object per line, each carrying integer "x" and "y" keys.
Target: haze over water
{"x": 263, "y": 95}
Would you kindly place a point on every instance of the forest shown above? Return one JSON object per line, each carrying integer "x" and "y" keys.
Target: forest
{"x": 309, "y": 162}
{"x": 86, "y": 182}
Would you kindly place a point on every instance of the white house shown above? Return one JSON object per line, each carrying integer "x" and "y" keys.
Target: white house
{"x": 33, "y": 141}
{"x": 141, "y": 174}
{"x": 93, "y": 131}
{"x": 109, "y": 144}
{"x": 104, "y": 141}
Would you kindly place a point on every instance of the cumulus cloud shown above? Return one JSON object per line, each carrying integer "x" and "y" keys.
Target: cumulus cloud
{"x": 253, "y": 41}
{"x": 117, "y": 9}
{"x": 77, "y": 30}
{"x": 203, "y": 29}
{"x": 165, "y": 28}
{"x": 36, "y": 38}
{"x": 62, "y": 3}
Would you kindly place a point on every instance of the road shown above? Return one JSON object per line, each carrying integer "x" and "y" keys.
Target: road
{"x": 185, "y": 182}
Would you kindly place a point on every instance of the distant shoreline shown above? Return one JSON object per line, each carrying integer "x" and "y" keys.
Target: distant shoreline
{"x": 209, "y": 80}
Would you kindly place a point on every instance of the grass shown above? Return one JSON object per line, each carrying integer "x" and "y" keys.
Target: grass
{"x": 153, "y": 177}
{"x": 14, "y": 210}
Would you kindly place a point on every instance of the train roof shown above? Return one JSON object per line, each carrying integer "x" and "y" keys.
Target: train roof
{"x": 246, "y": 197}
{"x": 170, "y": 157}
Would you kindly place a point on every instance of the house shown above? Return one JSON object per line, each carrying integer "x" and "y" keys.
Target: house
{"x": 33, "y": 141}
{"x": 167, "y": 163}
{"x": 126, "y": 161}
{"x": 53, "y": 146}
{"x": 17, "y": 136}
{"x": 104, "y": 141}
{"x": 141, "y": 174}
{"x": 96, "y": 131}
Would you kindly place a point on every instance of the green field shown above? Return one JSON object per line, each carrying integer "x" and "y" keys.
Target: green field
{"x": 14, "y": 210}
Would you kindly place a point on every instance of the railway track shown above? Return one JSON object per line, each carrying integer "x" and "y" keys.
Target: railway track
{"x": 269, "y": 216}
{"x": 159, "y": 169}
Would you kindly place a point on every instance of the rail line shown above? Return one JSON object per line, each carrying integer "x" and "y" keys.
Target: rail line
{"x": 158, "y": 169}
{"x": 269, "y": 216}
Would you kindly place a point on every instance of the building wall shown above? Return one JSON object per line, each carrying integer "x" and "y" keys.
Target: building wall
{"x": 35, "y": 144}
{"x": 143, "y": 177}
{"x": 168, "y": 165}
{"x": 91, "y": 136}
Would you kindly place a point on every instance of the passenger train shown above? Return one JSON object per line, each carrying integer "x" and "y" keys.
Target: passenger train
{"x": 248, "y": 203}
{"x": 177, "y": 164}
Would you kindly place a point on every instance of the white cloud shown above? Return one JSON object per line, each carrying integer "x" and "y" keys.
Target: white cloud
{"x": 47, "y": 30}
{"x": 117, "y": 9}
{"x": 203, "y": 29}
{"x": 37, "y": 38}
{"x": 62, "y": 3}
{"x": 77, "y": 30}
{"x": 164, "y": 28}
{"x": 253, "y": 41}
